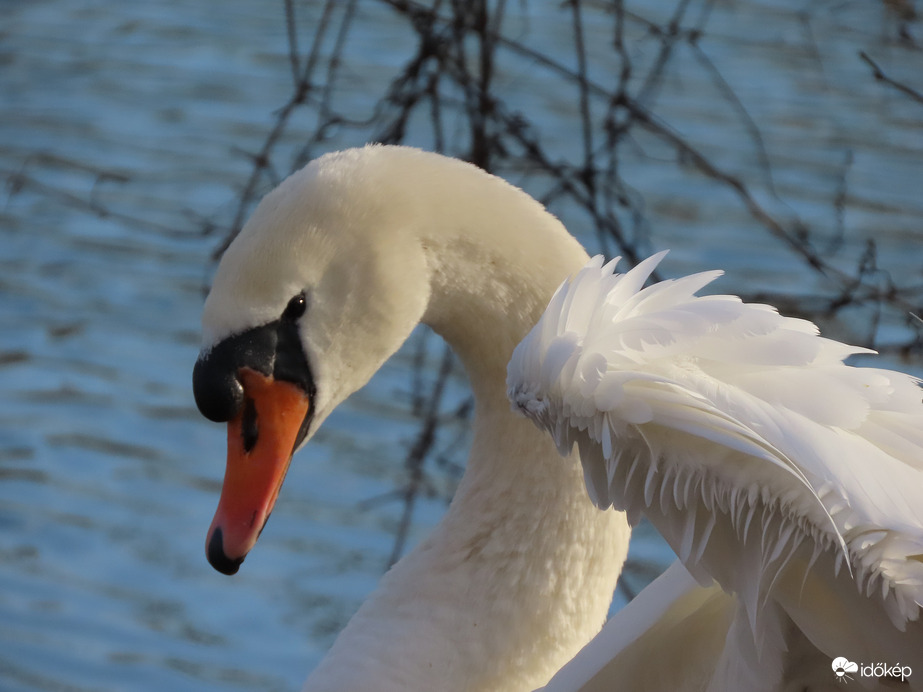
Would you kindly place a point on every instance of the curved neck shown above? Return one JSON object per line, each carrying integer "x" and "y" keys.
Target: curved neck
{"x": 519, "y": 574}
{"x": 494, "y": 266}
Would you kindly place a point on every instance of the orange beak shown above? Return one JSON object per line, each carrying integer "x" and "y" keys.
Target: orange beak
{"x": 261, "y": 440}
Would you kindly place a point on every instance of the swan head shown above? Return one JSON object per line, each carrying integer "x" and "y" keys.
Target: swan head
{"x": 325, "y": 281}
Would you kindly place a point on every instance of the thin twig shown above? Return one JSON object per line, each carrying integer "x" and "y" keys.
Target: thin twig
{"x": 880, "y": 76}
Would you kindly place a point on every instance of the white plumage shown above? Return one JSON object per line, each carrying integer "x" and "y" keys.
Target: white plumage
{"x": 790, "y": 479}
{"x": 519, "y": 574}
{"x": 793, "y": 480}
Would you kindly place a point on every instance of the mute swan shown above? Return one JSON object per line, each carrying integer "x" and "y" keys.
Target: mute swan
{"x": 326, "y": 280}
{"x": 770, "y": 466}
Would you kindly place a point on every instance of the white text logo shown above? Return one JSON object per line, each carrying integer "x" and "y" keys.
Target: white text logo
{"x": 842, "y": 667}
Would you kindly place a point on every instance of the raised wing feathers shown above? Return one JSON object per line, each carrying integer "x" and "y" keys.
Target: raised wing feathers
{"x": 741, "y": 434}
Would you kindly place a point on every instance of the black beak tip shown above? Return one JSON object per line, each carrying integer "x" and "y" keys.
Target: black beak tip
{"x": 217, "y": 558}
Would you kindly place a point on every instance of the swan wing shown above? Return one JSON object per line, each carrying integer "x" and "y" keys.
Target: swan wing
{"x": 680, "y": 636}
{"x": 766, "y": 462}
{"x": 667, "y": 638}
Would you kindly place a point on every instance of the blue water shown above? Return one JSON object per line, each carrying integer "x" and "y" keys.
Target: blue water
{"x": 122, "y": 130}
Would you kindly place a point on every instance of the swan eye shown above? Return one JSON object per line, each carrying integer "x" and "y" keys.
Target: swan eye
{"x": 295, "y": 308}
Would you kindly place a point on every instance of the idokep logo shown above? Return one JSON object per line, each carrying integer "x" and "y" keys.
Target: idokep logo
{"x": 842, "y": 667}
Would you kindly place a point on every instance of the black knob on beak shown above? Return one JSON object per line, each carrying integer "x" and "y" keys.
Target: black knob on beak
{"x": 215, "y": 378}
{"x": 273, "y": 349}
{"x": 218, "y": 393}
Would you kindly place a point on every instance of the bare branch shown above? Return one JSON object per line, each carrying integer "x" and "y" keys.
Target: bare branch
{"x": 880, "y": 76}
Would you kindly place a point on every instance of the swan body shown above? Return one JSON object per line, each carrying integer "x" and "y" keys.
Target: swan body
{"x": 326, "y": 280}
{"x": 792, "y": 480}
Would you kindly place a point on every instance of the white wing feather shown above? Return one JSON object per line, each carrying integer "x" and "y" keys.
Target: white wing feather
{"x": 768, "y": 464}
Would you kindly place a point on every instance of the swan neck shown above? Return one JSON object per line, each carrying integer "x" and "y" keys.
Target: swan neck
{"x": 490, "y": 281}
{"x": 519, "y": 574}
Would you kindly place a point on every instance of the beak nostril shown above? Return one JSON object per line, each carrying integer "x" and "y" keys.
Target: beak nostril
{"x": 249, "y": 425}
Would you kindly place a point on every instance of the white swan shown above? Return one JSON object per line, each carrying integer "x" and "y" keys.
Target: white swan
{"x": 326, "y": 280}
{"x": 792, "y": 479}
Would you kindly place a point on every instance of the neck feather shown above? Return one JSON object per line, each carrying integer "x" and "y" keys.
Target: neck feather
{"x": 519, "y": 574}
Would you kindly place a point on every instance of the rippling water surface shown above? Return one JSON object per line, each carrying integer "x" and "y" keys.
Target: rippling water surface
{"x": 121, "y": 130}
